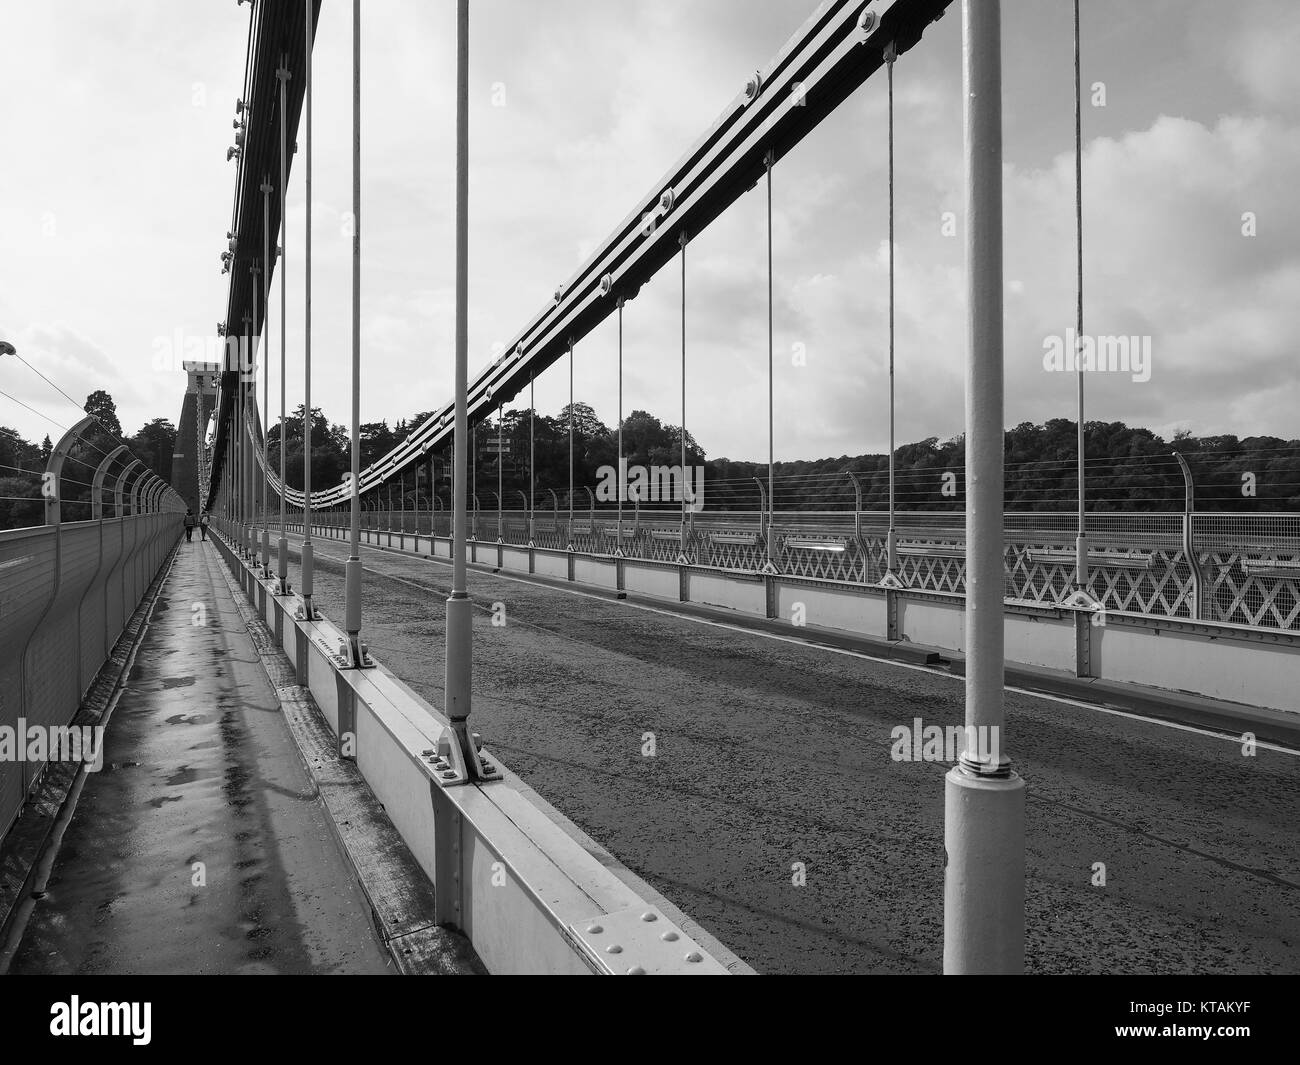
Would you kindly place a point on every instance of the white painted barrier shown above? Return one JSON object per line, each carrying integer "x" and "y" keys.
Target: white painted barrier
{"x": 521, "y": 882}
{"x": 1254, "y": 667}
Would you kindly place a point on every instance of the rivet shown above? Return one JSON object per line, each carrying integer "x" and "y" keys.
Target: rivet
{"x": 669, "y": 937}
{"x": 636, "y": 970}
{"x": 613, "y": 948}
{"x": 649, "y": 915}
{"x": 695, "y": 955}
{"x": 594, "y": 929}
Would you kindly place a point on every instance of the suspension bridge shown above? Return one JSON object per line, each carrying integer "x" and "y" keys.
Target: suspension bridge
{"x": 880, "y": 721}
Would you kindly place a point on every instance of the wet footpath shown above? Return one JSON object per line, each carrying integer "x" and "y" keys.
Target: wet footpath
{"x": 200, "y": 845}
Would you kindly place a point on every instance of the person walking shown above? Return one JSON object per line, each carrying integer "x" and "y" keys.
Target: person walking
{"x": 203, "y": 525}
{"x": 189, "y": 525}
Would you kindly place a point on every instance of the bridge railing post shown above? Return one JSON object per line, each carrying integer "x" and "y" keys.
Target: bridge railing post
{"x": 97, "y": 483}
{"x": 1197, "y": 604}
{"x": 984, "y": 807}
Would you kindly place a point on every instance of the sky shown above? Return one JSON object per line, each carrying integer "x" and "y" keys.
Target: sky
{"x": 115, "y": 198}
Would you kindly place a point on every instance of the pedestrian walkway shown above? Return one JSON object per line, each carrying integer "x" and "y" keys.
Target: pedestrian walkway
{"x": 200, "y": 846}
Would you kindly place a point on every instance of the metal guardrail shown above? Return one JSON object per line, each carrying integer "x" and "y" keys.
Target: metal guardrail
{"x": 1249, "y": 564}
{"x": 67, "y": 591}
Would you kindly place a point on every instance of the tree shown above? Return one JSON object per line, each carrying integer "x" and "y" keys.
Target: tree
{"x": 330, "y": 450}
{"x": 20, "y": 502}
{"x": 101, "y": 405}
{"x": 154, "y": 445}
{"x": 586, "y": 426}
{"x": 377, "y": 440}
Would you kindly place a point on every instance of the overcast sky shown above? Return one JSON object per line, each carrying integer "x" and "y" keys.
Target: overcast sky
{"x": 115, "y": 197}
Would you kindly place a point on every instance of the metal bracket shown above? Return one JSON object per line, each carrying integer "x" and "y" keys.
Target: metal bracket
{"x": 641, "y": 942}
{"x": 466, "y": 758}
{"x": 1081, "y": 599}
{"x": 353, "y": 654}
{"x": 891, "y": 580}
{"x": 445, "y": 763}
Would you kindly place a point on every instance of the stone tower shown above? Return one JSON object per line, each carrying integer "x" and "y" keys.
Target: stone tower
{"x": 190, "y": 459}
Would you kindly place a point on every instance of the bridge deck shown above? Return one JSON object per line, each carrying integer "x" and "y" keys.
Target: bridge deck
{"x": 199, "y": 768}
{"x": 770, "y": 752}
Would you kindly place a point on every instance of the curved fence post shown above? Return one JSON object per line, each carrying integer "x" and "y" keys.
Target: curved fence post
{"x": 128, "y": 510}
{"x": 1197, "y": 606}
{"x": 119, "y": 493}
{"x": 135, "y": 490}
{"x": 97, "y": 483}
{"x": 51, "y": 489}
{"x": 857, "y": 525}
{"x": 86, "y": 670}
{"x": 139, "y": 513}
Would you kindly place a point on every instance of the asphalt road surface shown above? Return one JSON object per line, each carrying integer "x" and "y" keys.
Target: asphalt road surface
{"x": 769, "y": 753}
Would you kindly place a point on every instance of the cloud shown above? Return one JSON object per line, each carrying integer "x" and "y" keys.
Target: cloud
{"x": 599, "y": 100}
